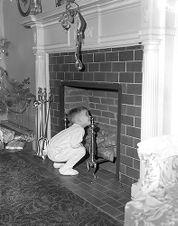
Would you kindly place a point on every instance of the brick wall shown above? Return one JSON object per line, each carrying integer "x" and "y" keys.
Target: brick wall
{"x": 102, "y": 105}
{"x": 123, "y": 65}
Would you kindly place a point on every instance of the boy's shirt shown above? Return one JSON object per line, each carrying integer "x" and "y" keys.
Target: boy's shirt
{"x": 67, "y": 138}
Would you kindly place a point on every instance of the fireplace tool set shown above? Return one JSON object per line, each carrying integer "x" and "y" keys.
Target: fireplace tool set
{"x": 42, "y": 105}
{"x": 93, "y": 160}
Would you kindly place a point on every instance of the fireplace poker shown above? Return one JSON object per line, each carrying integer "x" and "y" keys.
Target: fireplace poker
{"x": 47, "y": 115}
{"x": 45, "y": 107}
{"x": 42, "y": 138}
{"x": 35, "y": 104}
{"x": 40, "y": 113}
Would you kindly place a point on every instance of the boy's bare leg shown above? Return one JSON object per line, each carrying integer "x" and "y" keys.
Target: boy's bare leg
{"x": 73, "y": 157}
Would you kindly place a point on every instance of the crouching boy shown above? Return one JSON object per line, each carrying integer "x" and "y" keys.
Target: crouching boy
{"x": 65, "y": 148}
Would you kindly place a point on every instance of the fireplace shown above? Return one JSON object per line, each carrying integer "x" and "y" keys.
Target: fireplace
{"x": 118, "y": 66}
{"x": 93, "y": 86}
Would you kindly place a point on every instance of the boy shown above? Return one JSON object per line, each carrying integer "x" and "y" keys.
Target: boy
{"x": 65, "y": 148}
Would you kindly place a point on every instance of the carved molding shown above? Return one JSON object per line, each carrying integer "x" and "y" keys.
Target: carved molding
{"x": 100, "y": 15}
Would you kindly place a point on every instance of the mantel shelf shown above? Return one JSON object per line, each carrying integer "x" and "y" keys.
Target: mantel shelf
{"x": 86, "y": 6}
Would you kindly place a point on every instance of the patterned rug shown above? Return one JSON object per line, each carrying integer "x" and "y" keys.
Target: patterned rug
{"x": 31, "y": 196}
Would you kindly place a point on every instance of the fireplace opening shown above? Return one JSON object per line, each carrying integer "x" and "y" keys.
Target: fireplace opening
{"x": 104, "y": 103}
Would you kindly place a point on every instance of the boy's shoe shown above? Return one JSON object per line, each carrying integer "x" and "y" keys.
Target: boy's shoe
{"x": 58, "y": 165}
{"x": 69, "y": 172}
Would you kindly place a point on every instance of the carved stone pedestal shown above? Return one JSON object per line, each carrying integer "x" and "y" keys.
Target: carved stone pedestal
{"x": 155, "y": 196}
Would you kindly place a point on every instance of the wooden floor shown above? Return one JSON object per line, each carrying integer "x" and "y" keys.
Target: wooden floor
{"x": 105, "y": 191}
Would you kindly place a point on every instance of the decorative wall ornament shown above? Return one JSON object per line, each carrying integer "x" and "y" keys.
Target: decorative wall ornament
{"x": 24, "y": 7}
{"x": 67, "y": 18}
{"x": 27, "y": 7}
{"x": 36, "y": 7}
{"x": 59, "y": 2}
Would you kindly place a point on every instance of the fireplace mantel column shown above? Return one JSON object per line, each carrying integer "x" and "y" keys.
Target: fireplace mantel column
{"x": 151, "y": 91}
{"x": 152, "y": 107}
{"x": 153, "y": 33}
{"x": 42, "y": 75}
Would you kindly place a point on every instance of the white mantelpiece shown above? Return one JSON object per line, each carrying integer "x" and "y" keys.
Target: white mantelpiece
{"x": 119, "y": 23}
{"x": 108, "y": 25}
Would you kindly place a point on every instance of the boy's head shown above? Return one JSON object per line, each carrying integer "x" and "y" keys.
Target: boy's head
{"x": 79, "y": 115}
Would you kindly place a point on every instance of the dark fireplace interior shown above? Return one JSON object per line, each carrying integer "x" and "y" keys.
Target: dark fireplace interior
{"x": 96, "y": 95}
{"x": 122, "y": 65}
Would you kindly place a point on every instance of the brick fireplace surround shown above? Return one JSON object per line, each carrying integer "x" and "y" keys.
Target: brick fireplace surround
{"x": 120, "y": 65}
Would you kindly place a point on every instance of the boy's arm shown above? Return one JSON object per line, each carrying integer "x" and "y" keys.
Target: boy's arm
{"x": 77, "y": 145}
{"x": 77, "y": 138}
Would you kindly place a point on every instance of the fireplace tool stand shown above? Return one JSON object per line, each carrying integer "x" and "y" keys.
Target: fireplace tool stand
{"x": 93, "y": 161}
{"x": 42, "y": 105}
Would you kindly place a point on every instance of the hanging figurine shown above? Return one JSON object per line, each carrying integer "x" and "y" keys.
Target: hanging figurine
{"x": 81, "y": 26}
{"x": 66, "y": 19}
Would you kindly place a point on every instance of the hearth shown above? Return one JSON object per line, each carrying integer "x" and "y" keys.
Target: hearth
{"x": 86, "y": 86}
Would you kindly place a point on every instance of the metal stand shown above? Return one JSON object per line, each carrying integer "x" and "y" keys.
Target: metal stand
{"x": 42, "y": 105}
{"x": 93, "y": 161}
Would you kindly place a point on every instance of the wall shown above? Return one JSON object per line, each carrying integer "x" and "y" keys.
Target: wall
{"x": 20, "y": 62}
{"x": 48, "y": 5}
{"x": 2, "y": 60}
{"x": 122, "y": 65}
